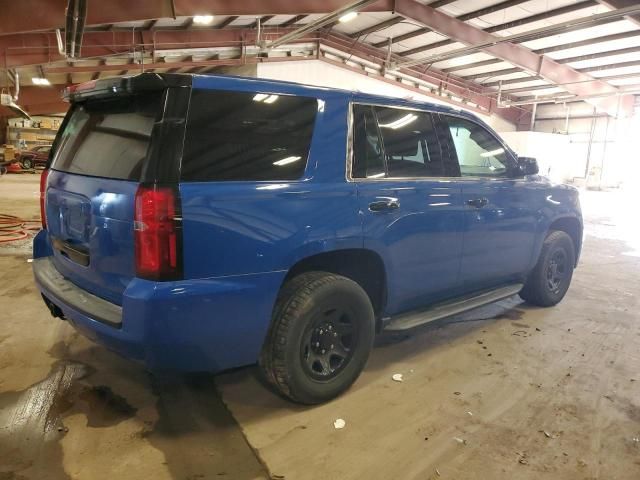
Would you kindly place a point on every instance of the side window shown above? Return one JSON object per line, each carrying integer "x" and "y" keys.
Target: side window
{"x": 479, "y": 153}
{"x": 410, "y": 143}
{"x": 247, "y": 136}
{"x": 368, "y": 160}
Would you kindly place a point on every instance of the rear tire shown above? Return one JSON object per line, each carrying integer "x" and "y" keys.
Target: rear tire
{"x": 320, "y": 338}
{"x": 549, "y": 281}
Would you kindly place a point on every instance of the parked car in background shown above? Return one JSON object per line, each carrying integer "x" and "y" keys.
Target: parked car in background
{"x": 36, "y": 157}
{"x": 202, "y": 223}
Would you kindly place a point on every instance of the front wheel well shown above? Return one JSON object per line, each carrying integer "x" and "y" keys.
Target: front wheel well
{"x": 571, "y": 226}
{"x": 365, "y": 267}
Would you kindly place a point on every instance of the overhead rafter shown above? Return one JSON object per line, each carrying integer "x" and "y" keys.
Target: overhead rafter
{"x": 534, "y": 88}
{"x": 96, "y": 75}
{"x": 464, "y": 17}
{"x": 617, "y": 4}
{"x": 36, "y": 15}
{"x": 324, "y": 21}
{"x": 578, "y": 58}
{"x": 518, "y": 55}
{"x": 377, "y": 27}
{"x": 555, "y": 48}
{"x": 506, "y": 26}
{"x": 263, "y": 19}
{"x": 292, "y": 21}
{"x": 227, "y": 21}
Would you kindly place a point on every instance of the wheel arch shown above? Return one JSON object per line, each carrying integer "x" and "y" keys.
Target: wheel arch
{"x": 572, "y": 227}
{"x": 363, "y": 266}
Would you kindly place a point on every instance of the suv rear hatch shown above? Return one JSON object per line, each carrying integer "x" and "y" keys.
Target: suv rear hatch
{"x": 118, "y": 134}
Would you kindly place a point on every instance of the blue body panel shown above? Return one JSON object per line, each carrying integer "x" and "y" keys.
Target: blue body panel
{"x": 420, "y": 243}
{"x": 240, "y": 239}
{"x": 96, "y": 214}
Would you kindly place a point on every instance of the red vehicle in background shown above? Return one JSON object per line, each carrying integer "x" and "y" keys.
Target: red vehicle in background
{"x": 36, "y": 157}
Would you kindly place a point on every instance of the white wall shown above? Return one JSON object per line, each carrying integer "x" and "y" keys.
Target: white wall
{"x": 557, "y": 157}
{"x": 615, "y": 150}
{"x": 315, "y": 72}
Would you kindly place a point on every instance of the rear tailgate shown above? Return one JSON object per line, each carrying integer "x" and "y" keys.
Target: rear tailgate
{"x": 107, "y": 146}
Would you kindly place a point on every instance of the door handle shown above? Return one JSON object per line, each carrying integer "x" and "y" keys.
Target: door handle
{"x": 384, "y": 204}
{"x": 478, "y": 202}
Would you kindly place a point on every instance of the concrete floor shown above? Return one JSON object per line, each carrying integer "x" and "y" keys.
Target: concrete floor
{"x": 506, "y": 391}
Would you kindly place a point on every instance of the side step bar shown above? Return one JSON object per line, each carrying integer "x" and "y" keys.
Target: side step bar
{"x": 412, "y": 319}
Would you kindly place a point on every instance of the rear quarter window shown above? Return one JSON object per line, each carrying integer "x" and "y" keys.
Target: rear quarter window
{"x": 247, "y": 136}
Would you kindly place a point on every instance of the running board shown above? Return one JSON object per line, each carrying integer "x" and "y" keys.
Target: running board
{"x": 408, "y": 320}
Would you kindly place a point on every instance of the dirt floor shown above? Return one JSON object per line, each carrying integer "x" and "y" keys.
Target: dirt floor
{"x": 507, "y": 391}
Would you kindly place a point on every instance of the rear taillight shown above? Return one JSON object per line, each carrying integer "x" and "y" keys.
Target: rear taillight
{"x": 157, "y": 230}
{"x": 43, "y": 190}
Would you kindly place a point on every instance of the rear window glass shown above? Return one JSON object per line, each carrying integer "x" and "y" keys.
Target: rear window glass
{"x": 108, "y": 138}
{"x": 247, "y": 136}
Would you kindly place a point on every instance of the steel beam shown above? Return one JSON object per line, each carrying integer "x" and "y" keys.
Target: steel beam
{"x": 464, "y": 17}
{"x": 377, "y": 27}
{"x": 326, "y": 20}
{"x": 38, "y": 49}
{"x": 555, "y": 48}
{"x": 512, "y": 24}
{"x": 36, "y": 15}
{"x": 517, "y": 55}
{"x": 292, "y": 21}
{"x": 617, "y": 4}
{"x": 227, "y": 21}
{"x": 607, "y": 78}
{"x": 578, "y": 58}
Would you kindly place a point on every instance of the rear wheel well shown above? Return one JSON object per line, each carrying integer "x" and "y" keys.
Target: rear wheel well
{"x": 365, "y": 267}
{"x": 571, "y": 227}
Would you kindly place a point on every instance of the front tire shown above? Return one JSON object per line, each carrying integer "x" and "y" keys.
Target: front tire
{"x": 550, "y": 279}
{"x": 320, "y": 338}
{"x": 27, "y": 163}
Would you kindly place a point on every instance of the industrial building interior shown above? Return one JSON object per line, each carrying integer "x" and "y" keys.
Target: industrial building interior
{"x": 505, "y": 391}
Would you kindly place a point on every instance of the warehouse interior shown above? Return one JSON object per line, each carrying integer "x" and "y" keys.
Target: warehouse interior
{"x": 504, "y": 391}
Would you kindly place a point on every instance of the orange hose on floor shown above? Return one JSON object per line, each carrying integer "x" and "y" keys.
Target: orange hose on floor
{"x": 14, "y": 228}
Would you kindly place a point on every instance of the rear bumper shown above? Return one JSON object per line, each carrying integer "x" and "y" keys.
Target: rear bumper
{"x": 73, "y": 296}
{"x": 190, "y": 325}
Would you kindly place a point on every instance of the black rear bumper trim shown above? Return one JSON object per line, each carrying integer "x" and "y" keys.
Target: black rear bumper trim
{"x": 73, "y": 296}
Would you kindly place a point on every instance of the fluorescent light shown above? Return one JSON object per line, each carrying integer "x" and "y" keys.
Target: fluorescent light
{"x": 286, "y": 161}
{"x": 347, "y": 17}
{"x": 492, "y": 153}
{"x": 265, "y": 97}
{"x": 203, "y": 19}
{"x": 40, "y": 81}
{"x": 401, "y": 122}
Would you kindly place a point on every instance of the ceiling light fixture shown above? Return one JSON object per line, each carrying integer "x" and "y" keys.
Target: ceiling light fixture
{"x": 40, "y": 81}
{"x": 203, "y": 19}
{"x": 347, "y": 17}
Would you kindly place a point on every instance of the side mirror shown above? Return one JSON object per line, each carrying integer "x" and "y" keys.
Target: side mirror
{"x": 528, "y": 165}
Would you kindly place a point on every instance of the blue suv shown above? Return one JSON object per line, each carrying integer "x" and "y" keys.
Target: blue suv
{"x": 201, "y": 223}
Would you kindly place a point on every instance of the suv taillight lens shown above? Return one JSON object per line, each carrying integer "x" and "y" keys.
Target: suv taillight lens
{"x": 157, "y": 230}
{"x": 43, "y": 190}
